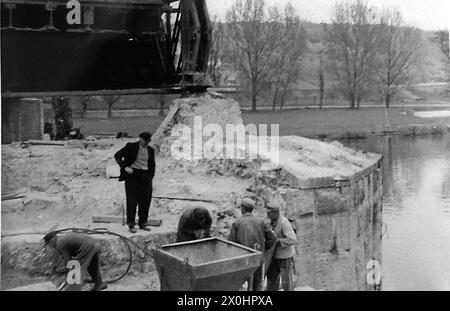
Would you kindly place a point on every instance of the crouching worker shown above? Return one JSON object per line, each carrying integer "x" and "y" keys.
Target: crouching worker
{"x": 255, "y": 233}
{"x": 195, "y": 223}
{"x": 282, "y": 264}
{"x": 80, "y": 247}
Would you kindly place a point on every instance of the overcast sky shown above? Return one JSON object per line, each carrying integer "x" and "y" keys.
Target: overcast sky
{"x": 425, "y": 14}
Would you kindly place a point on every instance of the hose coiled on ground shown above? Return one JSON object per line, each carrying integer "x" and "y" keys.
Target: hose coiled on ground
{"x": 128, "y": 242}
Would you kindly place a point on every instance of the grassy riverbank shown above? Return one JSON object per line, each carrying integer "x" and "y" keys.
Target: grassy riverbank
{"x": 335, "y": 122}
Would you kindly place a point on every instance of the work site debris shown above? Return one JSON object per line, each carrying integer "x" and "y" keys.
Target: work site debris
{"x": 119, "y": 220}
{"x": 207, "y": 108}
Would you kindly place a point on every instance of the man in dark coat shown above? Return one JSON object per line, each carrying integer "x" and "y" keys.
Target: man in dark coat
{"x": 80, "y": 247}
{"x": 195, "y": 223}
{"x": 253, "y": 232}
{"x": 137, "y": 169}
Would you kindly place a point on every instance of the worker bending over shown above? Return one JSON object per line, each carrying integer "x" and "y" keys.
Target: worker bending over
{"x": 195, "y": 223}
{"x": 281, "y": 266}
{"x": 252, "y": 231}
{"x": 80, "y": 247}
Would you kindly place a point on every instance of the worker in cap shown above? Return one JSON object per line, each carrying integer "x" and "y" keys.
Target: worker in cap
{"x": 137, "y": 169}
{"x": 195, "y": 223}
{"x": 82, "y": 248}
{"x": 252, "y": 231}
{"x": 282, "y": 265}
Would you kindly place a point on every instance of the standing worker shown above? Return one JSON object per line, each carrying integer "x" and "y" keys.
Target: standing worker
{"x": 282, "y": 264}
{"x": 253, "y": 232}
{"x": 80, "y": 247}
{"x": 137, "y": 169}
{"x": 195, "y": 223}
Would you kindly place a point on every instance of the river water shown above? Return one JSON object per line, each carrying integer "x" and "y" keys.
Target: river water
{"x": 416, "y": 210}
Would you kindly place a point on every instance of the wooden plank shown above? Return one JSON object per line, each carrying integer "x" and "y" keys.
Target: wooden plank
{"x": 176, "y": 198}
{"x": 14, "y": 195}
{"x": 46, "y": 142}
{"x": 105, "y": 134}
{"x": 155, "y": 222}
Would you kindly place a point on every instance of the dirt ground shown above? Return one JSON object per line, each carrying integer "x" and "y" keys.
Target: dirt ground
{"x": 66, "y": 186}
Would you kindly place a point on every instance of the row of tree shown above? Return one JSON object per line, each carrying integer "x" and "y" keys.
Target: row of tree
{"x": 361, "y": 50}
{"x": 265, "y": 44}
{"x": 367, "y": 48}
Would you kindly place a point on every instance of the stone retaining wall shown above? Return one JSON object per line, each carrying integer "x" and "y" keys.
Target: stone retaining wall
{"x": 339, "y": 232}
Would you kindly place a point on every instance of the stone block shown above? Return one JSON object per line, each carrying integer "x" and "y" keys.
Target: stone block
{"x": 335, "y": 272}
{"x": 331, "y": 201}
{"x": 112, "y": 171}
{"x": 359, "y": 191}
{"x": 299, "y": 202}
{"x": 22, "y": 119}
{"x": 325, "y": 234}
{"x": 343, "y": 233}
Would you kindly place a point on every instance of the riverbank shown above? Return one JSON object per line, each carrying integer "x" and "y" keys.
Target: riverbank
{"x": 314, "y": 123}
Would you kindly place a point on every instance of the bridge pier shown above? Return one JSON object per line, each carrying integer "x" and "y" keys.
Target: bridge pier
{"x": 22, "y": 119}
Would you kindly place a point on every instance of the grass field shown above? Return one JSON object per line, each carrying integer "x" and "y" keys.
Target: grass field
{"x": 305, "y": 122}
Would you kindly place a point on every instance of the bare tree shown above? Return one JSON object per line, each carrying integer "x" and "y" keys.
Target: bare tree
{"x": 398, "y": 53}
{"x": 321, "y": 80}
{"x": 351, "y": 42}
{"x": 288, "y": 54}
{"x": 442, "y": 37}
{"x": 253, "y": 34}
{"x": 217, "y": 53}
{"x": 84, "y": 106}
{"x": 111, "y": 100}
{"x": 162, "y": 103}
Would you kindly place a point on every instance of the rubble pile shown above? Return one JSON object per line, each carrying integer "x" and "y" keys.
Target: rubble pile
{"x": 212, "y": 110}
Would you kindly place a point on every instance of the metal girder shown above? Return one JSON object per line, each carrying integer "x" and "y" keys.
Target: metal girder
{"x": 179, "y": 46}
{"x": 195, "y": 42}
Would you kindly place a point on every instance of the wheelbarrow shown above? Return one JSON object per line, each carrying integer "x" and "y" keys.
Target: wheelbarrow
{"x": 211, "y": 264}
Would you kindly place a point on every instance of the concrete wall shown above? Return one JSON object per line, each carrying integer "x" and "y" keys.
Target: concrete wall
{"x": 22, "y": 119}
{"x": 338, "y": 230}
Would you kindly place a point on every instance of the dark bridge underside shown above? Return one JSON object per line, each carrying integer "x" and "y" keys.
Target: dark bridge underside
{"x": 120, "y": 45}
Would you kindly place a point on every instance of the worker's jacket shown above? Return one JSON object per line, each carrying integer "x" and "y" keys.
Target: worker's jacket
{"x": 76, "y": 246}
{"x": 253, "y": 232}
{"x": 287, "y": 238}
{"x": 126, "y": 156}
{"x": 188, "y": 225}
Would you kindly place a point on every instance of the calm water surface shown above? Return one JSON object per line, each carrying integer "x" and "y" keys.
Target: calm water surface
{"x": 416, "y": 210}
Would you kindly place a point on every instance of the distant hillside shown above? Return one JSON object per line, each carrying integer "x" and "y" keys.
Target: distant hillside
{"x": 434, "y": 62}
{"x": 432, "y": 67}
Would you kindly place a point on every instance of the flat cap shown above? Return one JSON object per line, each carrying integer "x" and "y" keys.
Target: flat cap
{"x": 273, "y": 207}
{"x": 248, "y": 203}
{"x": 145, "y": 136}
